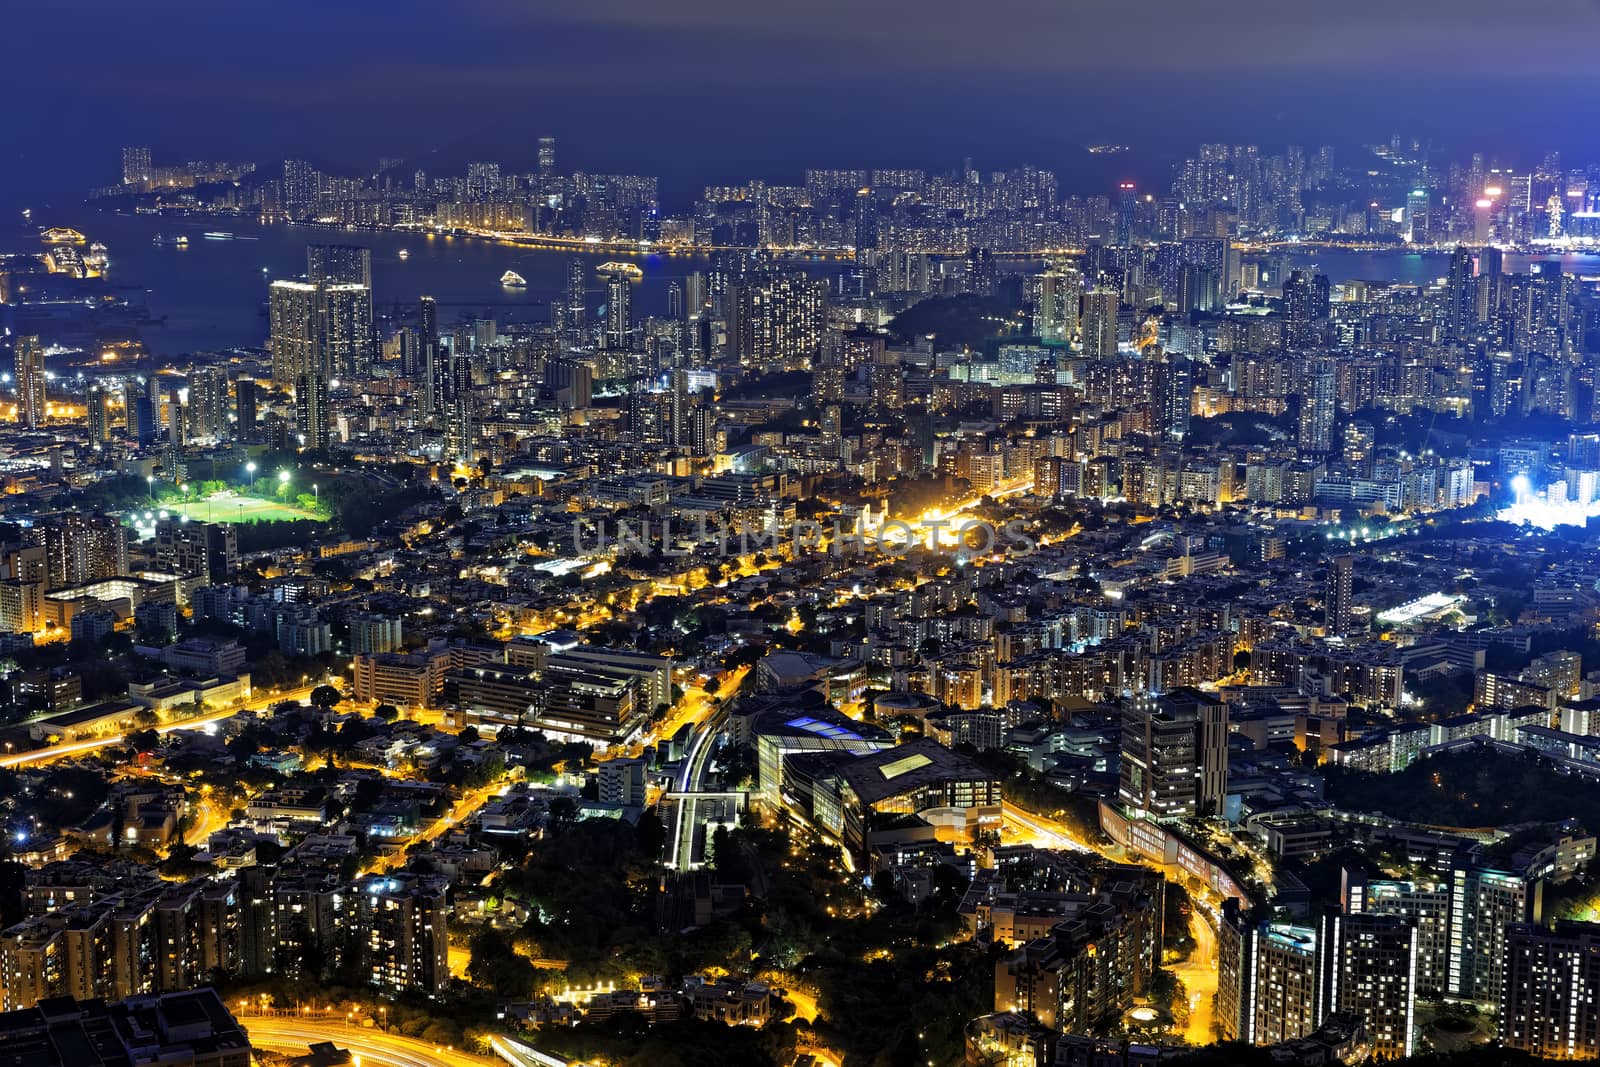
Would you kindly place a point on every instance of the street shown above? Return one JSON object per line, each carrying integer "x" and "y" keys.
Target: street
{"x": 371, "y": 1047}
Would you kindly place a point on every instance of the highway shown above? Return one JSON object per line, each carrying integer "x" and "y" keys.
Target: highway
{"x": 691, "y": 778}
{"x": 373, "y": 1048}
{"x": 1038, "y": 831}
{"x": 37, "y": 756}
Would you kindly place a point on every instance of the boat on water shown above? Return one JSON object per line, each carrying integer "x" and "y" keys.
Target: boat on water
{"x": 163, "y": 241}
{"x": 218, "y": 235}
{"x": 512, "y": 280}
{"x": 628, "y": 270}
{"x": 405, "y": 253}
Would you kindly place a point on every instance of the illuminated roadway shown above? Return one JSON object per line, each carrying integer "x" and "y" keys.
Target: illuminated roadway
{"x": 374, "y": 1048}
{"x": 1198, "y": 973}
{"x": 78, "y": 748}
{"x": 690, "y": 778}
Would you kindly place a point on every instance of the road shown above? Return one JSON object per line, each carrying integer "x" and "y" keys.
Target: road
{"x": 1198, "y": 973}
{"x": 37, "y": 756}
{"x": 208, "y": 819}
{"x": 1199, "y": 976}
{"x": 691, "y": 778}
{"x": 373, "y": 1048}
{"x": 1039, "y": 831}
{"x": 470, "y": 802}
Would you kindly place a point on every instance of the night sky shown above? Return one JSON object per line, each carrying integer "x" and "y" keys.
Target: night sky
{"x": 713, "y": 90}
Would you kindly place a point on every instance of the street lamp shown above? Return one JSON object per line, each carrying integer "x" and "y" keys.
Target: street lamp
{"x": 250, "y": 469}
{"x": 150, "y": 480}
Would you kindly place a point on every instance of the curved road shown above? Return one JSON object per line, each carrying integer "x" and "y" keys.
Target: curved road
{"x": 373, "y": 1047}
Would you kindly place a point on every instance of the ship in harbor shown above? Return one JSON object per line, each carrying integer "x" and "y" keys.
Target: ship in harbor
{"x": 627, "y": 270}
{"x": 512, "y": 280}
{"x": 161, "y": 240}
{"x": 405, "y": 253}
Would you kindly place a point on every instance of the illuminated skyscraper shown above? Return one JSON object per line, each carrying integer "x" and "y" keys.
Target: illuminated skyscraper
{"x": 619, "y": 311}
{"x": 339, "y": 265}
{"x": 1056, "y": 294}
{"x": 547, "y": 156}
{"x": 208, "y": 402}
{"x": 1368, "y": 968}
{"x": 1100, "y": 323}
{"x": 1177, "y": 397}
{"x": 1174, "y": 755}
{"x": 343, "y": 274}
{"x": 292, "y": 318}
{"x": 577, "y": 303}
{"x": 1461, "y": 293}
{"x": 99, "y": 411}
{"x": 311, "y": 411}
{"x": 459, "y": 431}
{"x": 776, "y": 322}
{"x": 1318, "y": 405}
{"x": 30, "y": 381}
{"x": 136, "y": 169}
{"x": 1336, "y": 597}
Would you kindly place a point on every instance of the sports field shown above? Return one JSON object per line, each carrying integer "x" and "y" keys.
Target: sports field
{"x": 228, "y": 507}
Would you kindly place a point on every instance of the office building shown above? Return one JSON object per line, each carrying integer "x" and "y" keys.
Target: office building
{"x": 1174, "y": 755}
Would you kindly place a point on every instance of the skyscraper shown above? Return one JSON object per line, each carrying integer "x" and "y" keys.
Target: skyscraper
{"x": 339, "y": 265}
{"x": 619, "y": 311}
{"x": 459, "y": 431}
{"x": 776, "y": 321}
{"x": 1336, "y": 602}
{"x": 208, "y": 402}
{"x": 30, "y": 381}
{"x": 292, "y": 319}
{"x": 1299, "y": 330}
{"x": 136, "y": 169}
{"x": 547, "y": 156}
{"x": 577, "y": 303}
{"x": 1318, "y": 405}
{"x": 99, "y": 409}
{"x": 1056, "y": 294}
{"x": 1177, "y": 398}
{"x": 1267, "y": 978}
{"x": 1100, "y": 323}
{"x": 1461, "y": 295}
{"x": 1484, "y": 902}
{"x": 311, "y": 411}
{"x": 246, "y": 401}
{"x": 1174, "y": 755}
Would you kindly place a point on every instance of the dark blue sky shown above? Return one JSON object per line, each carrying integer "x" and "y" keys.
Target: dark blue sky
{"x": 707, "y": 90}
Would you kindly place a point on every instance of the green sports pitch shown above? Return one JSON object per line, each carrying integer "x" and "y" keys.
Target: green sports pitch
{"x": 228, "y": 507}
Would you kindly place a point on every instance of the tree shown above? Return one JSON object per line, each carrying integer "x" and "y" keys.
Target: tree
{"x": 495, "y": 965}
{"x": 386, "y": 712}
{"x": 326, "y": 697}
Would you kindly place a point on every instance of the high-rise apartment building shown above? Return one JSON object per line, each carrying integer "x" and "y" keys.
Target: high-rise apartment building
{"x": 30, "y": 381}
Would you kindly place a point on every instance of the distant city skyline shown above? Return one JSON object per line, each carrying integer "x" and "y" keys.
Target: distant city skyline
{"x": 701, "y": 92}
